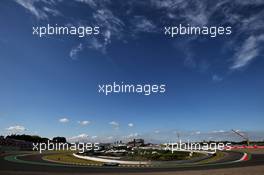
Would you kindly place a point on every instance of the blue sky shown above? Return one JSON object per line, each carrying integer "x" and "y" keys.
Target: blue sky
{"x": 49, "y": 85}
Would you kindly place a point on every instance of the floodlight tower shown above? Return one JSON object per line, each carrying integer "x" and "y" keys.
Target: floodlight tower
{"x": 242, "y": 136}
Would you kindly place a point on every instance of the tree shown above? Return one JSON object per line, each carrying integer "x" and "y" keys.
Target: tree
{"x": 59, "y": 139}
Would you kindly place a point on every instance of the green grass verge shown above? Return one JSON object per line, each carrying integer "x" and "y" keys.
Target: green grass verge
{"x": 68, "y": 158}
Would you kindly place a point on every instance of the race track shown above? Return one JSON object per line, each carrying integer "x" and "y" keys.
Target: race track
{"x": 34, "y": 163}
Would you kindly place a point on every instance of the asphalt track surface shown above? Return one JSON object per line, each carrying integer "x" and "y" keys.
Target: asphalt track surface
{"x": 256, "y": 159}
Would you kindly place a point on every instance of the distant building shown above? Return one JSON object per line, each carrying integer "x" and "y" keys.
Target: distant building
{"x": 136, "y": 143}
{"x": 104, "y": 146}
{"x": 119, "y": 147}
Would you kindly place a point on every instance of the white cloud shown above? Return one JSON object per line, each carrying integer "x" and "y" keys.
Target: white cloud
{"x": 110, "y": 25}
{"x": 132, "y": 135}
{"x": 217, "y": 78}
{"x": 203, "y": 13}
{"x": 95, "y": 44}
{"x": 94, "y": 137}
{"x": 29, "y": 5}
{"x": 130, "y": 124}
{"x": 168, "y": 4}
{"x": 156, "y": 131}
{"x": 114, "y": 124}
{"x": 197, "y": 132}
{"x": 252, "y": 23}
{"x": 250, "y": 2}
{"x": 247, "y": 52}
{"x": 109, "y": 138}
{"x": 198, "y": 15}
{"x": 85, "y": 122}
{"x": 194, "y": 13}
{"x": 188, "y": 12}
{"x": 106, "y": 18}
{"x": 142, "y": 24}
{"x": 53, "y": 12}
{"x": 79, "y": 138}
{"x": 16, "y": 129}
{"x": 218, "y": 131}
{"x": 95, "y": 4}
{"x": 64, "y": 120}
{"x": 37, "y": 11}
{"x": 91, "y": 3}
{"x": 107, "y": 35}
{"x": 101, "y": 44}
{"x": 82, "y": 136}
{"x": 74, "y": 51}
